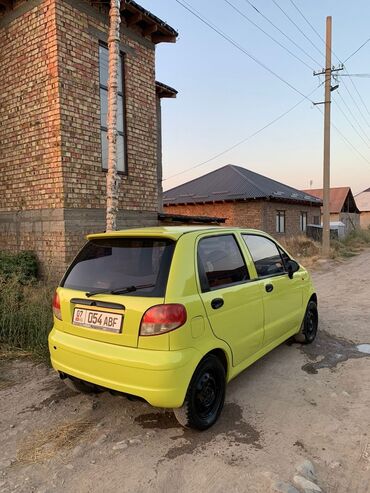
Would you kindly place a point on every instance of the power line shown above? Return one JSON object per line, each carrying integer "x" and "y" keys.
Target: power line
{"x": 360, "y": 97}
{"x": 282, "y": 32}
{"x": 240, "y": 142}
{"x": 355, "y": 75}
{"x": 346, "y": 140}
{"x": 349, "y": 121}
{"x": 266, "y": 33}
{"x": 352, "y": 82}
{"x": 307, "y": 21}
{"x": 353, "y": 116}
{"x": 230, "y": 40}
{"x": 354, "y": 101}
{"x": 296, "y": 25}
{"x": 356, "y": 51}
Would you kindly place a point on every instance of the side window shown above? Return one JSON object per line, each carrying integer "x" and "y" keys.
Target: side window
{"x": 220, "y": 262}
{"x": 265, "y": 255}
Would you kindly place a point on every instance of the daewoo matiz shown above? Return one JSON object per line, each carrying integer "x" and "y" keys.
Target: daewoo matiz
{"x": 172, "y": 314}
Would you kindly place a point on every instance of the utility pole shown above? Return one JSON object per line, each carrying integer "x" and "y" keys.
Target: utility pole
{"x": 327, "y": 106}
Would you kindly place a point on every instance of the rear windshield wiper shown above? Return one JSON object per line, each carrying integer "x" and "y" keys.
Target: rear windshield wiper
{"x": 126, "y": 289}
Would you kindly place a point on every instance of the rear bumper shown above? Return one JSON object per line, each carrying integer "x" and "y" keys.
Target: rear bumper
{"x": 159, "y": 377}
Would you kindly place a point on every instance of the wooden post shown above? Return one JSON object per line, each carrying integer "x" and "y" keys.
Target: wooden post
{"x": 326, "y": 181}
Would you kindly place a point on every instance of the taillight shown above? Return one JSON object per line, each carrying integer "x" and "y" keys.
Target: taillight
{"x": 56, "y": 306}
{"x": 162, "y": 318}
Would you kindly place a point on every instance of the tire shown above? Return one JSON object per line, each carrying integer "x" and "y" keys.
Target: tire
{"x": 81, "y": 387}
{"x": 308, "y": 330}
{"x": 205, "y": 396}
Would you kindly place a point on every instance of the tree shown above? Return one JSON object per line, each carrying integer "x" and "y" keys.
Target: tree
{"x": 112, "y": 175}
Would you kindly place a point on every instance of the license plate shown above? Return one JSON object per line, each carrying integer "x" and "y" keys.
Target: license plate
{"x": 96, "y": 319}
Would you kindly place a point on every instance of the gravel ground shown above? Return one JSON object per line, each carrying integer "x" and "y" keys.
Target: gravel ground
{"x": 296, "y": 421}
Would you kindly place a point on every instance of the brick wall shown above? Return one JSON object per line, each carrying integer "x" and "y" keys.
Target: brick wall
{"x": 30, "y": 152}
{"x": 30, "y": 158}
{"x": 243, "y": 214}
{"x": 292, "y": 217}
{"x": 257, "y": 214}
{"x": 79, "y": 30}
{"x": 50, "y": 148}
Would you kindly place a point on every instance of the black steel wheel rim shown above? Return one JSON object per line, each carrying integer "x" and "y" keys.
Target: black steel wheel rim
{"x": 208, "y": 395}
{"x": 311, "y": 324}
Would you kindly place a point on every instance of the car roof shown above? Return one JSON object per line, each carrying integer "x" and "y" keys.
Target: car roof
{"x": 173, "y": 232}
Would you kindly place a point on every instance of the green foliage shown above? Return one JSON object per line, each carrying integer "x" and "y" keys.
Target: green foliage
{"x": 354, "y": 242}
{"x": 25, "y": 314}
{"x": 23, "y": 265}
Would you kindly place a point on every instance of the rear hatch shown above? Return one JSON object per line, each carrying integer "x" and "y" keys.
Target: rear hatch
{"x": 110, "y": 285}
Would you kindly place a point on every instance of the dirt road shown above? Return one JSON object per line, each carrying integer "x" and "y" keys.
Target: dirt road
{"x": 295, "y": 404}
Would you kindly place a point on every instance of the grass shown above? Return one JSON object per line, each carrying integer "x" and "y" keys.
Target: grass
{"x": 303, "y": 249}
{"x": 354, "y": 243}
{"x": 308, "y": 252}
{"x": 25, "y": 317}
{"x": 44, "y": 444}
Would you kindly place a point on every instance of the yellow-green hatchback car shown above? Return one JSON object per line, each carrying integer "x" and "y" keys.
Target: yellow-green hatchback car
{"x": 171, "y": 314}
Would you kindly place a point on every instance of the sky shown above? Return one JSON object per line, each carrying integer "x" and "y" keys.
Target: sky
{"x": 224, "y": 96}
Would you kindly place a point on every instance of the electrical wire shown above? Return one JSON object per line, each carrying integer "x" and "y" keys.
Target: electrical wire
{"x": 282, "y": 32}
{"x": 349, "y": 121}
{"x": 267, "y": 34}
{"x": 308, "y": 22}
{"x": 230, "y": 40}
{"x": 366, "y": 76}
{"x": 353, "y": 116}
{"x": 350, "y": 78}
{"x": 240, "y": 142}
{"x": 354, "y": 101}
{"x": 356, "y": 51}
{"x": 299, "y": 29}
{"x": 349, "y": 143}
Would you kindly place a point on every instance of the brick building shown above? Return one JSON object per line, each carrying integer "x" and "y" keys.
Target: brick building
{"x": 245, "y": 199}
{"x": 53, "y": 104}
{"x": 342, "y": 206}
{"x": 363, "y": 204}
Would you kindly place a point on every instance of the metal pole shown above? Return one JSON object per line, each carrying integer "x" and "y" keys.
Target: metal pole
{"x": 326, "y": 181}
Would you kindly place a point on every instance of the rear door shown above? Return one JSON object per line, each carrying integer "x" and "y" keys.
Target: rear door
{"x": 232, "y": 302}
{"x": 282, "y": 296}
{"x": 106, "y": 264}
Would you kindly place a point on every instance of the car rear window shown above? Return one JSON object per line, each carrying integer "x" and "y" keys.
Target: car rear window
{"x": 114, "y": 263}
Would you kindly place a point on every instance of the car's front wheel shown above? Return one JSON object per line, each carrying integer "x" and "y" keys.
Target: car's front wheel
{"x": 308, "y": 331}
{"x": 205, "y": 396}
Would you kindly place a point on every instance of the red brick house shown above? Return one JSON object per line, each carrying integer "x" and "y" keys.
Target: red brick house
{"x": 342, "y": 206}
{"x": 245, "y": 199}
{"x": 53, "y": 103}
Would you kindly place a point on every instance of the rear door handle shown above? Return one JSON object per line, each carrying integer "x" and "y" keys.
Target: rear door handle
{"x": 269, "y": 288}
{"x": 217, "y": 303}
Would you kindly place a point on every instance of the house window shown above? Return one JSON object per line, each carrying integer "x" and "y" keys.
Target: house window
{"x": 316, "y": 220}
{"x": 280, "y": 221}
{"x": 103, "y": 77}
{"x": 303, "y": 221}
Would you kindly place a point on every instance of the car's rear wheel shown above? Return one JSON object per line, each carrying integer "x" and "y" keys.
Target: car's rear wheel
{"x": 205, "y": 396}
{"x": 308, "y": 331}
{"x": 81, "y": 387}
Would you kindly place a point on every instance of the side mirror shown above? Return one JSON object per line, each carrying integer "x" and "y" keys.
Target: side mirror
{"x": 292, "y": 266}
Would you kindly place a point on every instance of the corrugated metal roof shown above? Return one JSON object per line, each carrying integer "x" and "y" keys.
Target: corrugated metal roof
{"x": 234, "y": 183}
{"x": 363, "y": 200}
{"x": 338, "y": 197}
